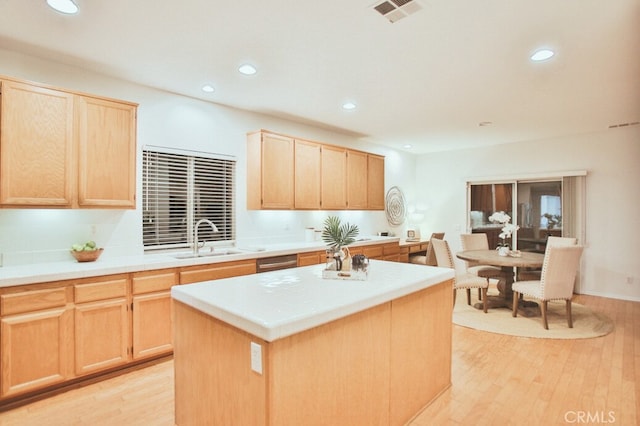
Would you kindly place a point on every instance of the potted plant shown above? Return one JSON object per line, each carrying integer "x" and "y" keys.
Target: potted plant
{"x": 507, "y": 229}
{"x": 338, "y": 235}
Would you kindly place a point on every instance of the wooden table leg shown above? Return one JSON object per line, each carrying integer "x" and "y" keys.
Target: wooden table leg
{"x": 526, "y": 308}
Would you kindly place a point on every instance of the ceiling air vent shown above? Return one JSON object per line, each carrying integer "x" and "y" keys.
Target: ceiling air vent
{"x": 394, "y": 10}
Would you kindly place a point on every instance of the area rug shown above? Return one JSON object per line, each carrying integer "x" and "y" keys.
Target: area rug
{"x": 586, "y": 322}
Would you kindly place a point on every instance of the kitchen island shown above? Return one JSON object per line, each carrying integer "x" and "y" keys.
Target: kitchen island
{"x": 289, "y": 347}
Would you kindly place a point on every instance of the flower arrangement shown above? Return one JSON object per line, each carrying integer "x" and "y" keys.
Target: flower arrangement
{"x": 507, "y": 229}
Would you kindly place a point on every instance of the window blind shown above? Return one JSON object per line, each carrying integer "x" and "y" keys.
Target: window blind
{"x": 179, "y": 189}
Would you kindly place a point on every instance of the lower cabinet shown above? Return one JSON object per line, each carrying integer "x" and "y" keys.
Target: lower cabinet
{"x": 101, "y": 335}
{"x": 51, "y": 333}
{"x": 35, "y": 347}
{"x": 101, "y": 324}
{"x": 152, "y": 313}
{"x": 312, "y": 258}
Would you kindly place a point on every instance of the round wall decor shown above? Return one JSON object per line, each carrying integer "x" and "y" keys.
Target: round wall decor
{"x": 395, "y": 206}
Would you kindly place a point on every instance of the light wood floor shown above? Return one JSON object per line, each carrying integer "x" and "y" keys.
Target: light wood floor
{"x": 496, "y": 380}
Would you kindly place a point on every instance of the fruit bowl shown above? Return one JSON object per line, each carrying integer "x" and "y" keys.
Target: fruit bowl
{"x": 87, "y": 255}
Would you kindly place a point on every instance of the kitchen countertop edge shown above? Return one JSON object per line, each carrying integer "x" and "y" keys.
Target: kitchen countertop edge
{"x": 11, "y": 276}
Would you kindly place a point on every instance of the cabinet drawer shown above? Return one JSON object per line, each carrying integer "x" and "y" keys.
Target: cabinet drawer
{"x": 34, "y": 300}
{"x": 372, "y": 252}
{"x": 391, "y": 249}
{"x": 315, "y": 258}
{"x": 100, "y": 290}
{"x": 194, "y": 274}
{"x": 149, "y": 282}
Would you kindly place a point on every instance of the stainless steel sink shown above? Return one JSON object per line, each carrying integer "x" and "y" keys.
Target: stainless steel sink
{"x": 219, "y": 252}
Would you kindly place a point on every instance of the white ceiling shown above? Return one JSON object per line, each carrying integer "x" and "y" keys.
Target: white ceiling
{"x": 426, "y": 80}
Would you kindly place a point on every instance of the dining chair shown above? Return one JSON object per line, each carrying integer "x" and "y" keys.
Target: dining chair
{"x": 464, "y": 281}
{"x": 534, "y": 274}
{"x": 479, "y": 241}
{"x": 559, "y": 270}
{"x": 428, "y": 258}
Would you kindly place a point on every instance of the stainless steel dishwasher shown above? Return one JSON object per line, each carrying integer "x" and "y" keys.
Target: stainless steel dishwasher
{"x": 275, "y": 263}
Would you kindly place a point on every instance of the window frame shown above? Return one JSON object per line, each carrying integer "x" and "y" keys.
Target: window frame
{"x": 174, "y": 184}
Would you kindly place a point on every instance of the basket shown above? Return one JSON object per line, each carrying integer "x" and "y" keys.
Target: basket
{"x": 87, "y": 256}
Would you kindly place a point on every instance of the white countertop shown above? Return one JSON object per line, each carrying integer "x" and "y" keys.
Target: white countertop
{"x": 277, "y": 304}
{"x": 106, "y": 265}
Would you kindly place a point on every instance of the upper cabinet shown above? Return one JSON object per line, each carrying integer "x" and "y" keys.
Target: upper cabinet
{"x": 284, "y": 172}
{"x": 64, "y": 149}
{"x": 270, "y": 168}
{"x": 107, "y": 153}
{"x": 308, "y": 165}
{"x": 37, "y": 141}
{"x": 334, "y": 178}
{"x": 375, "y": 182}
{"x": 357, "y": 180}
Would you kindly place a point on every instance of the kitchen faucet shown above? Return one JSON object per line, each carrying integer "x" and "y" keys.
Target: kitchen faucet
{"x": 196, "y": 243}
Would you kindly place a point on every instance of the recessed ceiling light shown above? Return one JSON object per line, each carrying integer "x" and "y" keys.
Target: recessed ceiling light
{"x": 247, "y": 69}
{"x": 208, "y": 88}
{"x": 348, "y": 105}
{"x": 63, "y": 6}
{"x": 485, "y": 123}
{"x": 407, "y": 146}
{"x": 542, "y": 55}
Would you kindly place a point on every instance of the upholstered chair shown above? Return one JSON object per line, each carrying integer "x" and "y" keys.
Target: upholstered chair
{"x": 559, "y": 269}
{"x": 429, "y": 259}
{"x": 534, "y": 274}
{"x": 464, "y": 281}
{"x": 479, "y": 241}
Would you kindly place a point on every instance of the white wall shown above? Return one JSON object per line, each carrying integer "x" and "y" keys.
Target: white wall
{"x": 612, "y": 160}
{"x": 165, "y": 119}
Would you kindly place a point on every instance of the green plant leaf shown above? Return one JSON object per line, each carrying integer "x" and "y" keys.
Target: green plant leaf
{"x": 336, "y": 234}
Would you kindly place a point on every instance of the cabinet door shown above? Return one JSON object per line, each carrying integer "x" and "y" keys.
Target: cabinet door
{"x": 357, "y": 191}
{"x": 277, "y": 172}
{"x": 107, "y": 153}
{"x": 313, "y": 258}
{"x": 375, "y": 182}
{"x": 101, "y": 335}
{"x": 152, "y": 321}
{"x": 36, "y": 350}
{"x": 36, "y": 146}
{"x": 334, "y": 178}
{"x": 307, "y": 175}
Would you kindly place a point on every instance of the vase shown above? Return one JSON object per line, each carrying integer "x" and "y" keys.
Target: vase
{"x": 503, "y": 251}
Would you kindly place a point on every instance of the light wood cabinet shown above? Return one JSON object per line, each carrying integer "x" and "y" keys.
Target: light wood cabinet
{"x": 197, "y": 273}
{"x": 152, "y": 313}
{"x": 102, "y": 335}
{"x": 312, "y": 258}
{"x": 375, "y": 182}
{"x": 36, "y": 340}
{"x": 391, "y": 252}
{"x": 334, "y": 178}
{"x": 357, "y": 177}
{"x": 36, "y": 156}
{"x": 270, "y": 171}
{"x": 107, "y": 153}
{"x": 307, "y": 175}
{"x": 64, "y": 149}
{"x": 284, "y": 172}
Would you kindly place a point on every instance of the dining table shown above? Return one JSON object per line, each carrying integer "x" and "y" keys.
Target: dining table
{"x": 507, "y": 265}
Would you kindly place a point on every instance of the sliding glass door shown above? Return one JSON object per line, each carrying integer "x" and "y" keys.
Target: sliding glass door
{"x": 541, "y": 207}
